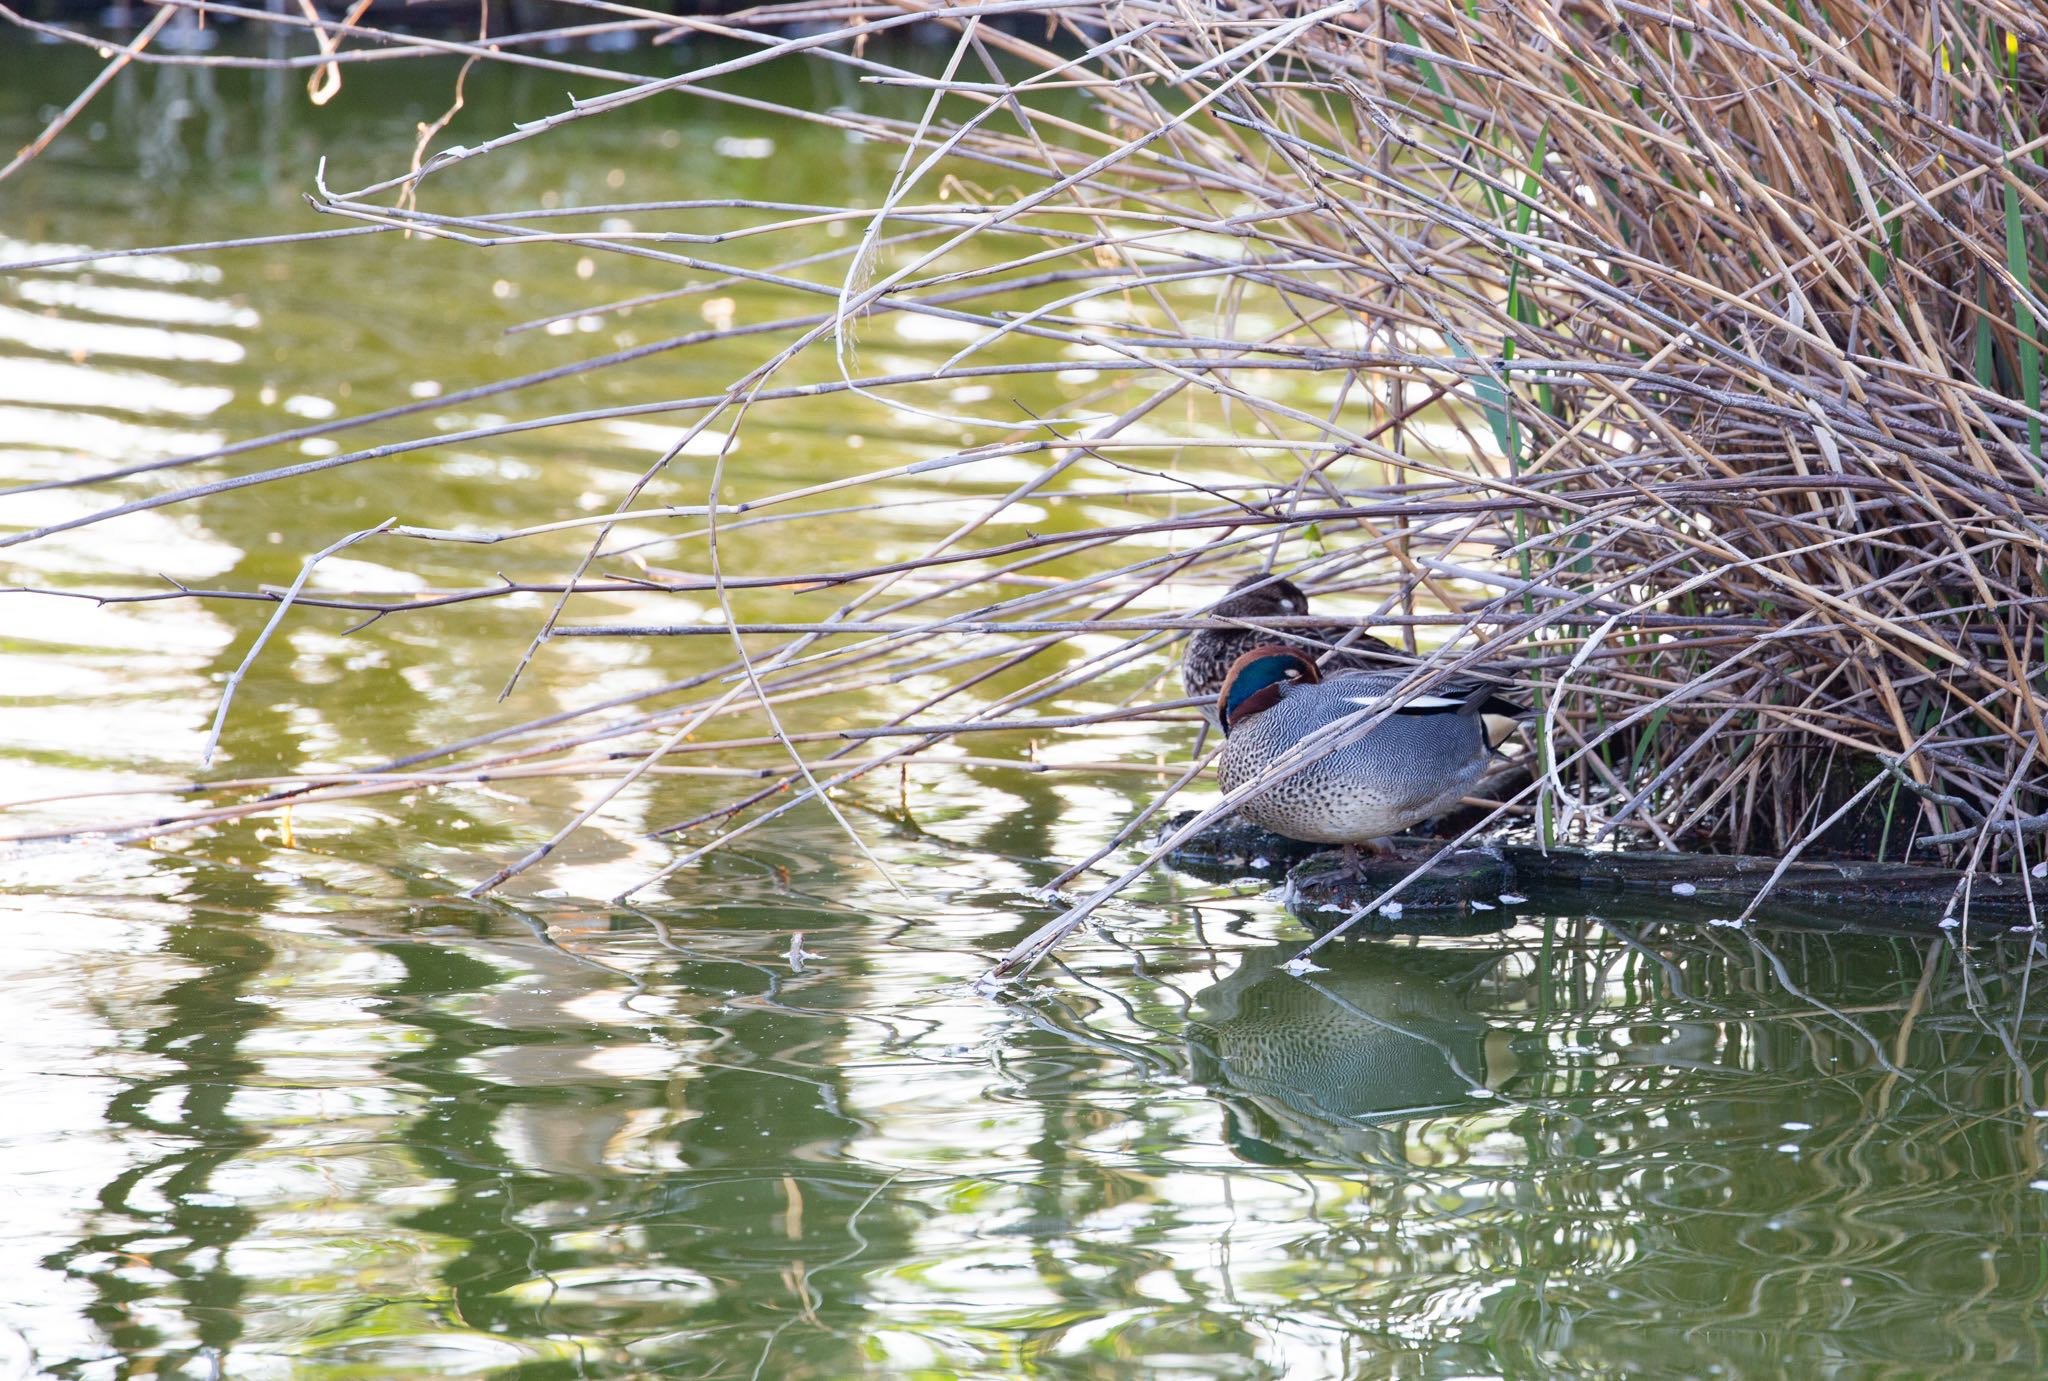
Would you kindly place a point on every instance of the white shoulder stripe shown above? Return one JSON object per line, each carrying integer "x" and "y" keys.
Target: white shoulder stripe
{"x": 1420, "y": 702}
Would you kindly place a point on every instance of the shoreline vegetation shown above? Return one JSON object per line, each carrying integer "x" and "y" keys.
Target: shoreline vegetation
{"x": 1684, "y": 361}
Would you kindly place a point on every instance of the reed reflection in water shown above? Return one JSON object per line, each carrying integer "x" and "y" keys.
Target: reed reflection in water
{"x": 1775, "y": 1154}
{"x": 434, "y": 1140}
{"x": 273, "y": 1110}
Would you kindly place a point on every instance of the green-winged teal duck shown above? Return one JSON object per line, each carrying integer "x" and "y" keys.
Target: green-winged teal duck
{"x": 1414, "y": 764}
{"x": 1210, "y": 652}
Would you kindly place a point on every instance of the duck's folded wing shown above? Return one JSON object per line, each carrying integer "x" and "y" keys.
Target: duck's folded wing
{"x": 1366, "y": 689}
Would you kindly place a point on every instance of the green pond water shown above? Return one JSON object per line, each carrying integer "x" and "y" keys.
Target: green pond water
{"x": 286, "y": 1105}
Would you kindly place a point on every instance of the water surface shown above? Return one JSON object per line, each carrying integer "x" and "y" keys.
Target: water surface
{"x": 282, "y": 1104}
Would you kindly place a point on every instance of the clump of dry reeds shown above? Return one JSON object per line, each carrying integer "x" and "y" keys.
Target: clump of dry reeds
{"x": 1750, "y": 298}
{"x": 1687, "y": 357}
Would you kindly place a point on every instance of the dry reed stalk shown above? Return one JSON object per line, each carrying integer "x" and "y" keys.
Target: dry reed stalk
{"x": 1689, "y": 355}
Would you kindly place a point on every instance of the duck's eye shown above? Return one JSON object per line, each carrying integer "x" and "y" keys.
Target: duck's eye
{"x": 1288, "y": 605}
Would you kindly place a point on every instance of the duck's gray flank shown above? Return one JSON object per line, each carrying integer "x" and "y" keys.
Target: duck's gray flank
{"x": 1414, "y": 764}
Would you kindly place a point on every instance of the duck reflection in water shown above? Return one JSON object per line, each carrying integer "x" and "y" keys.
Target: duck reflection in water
{"x": 1315, "y": 1067}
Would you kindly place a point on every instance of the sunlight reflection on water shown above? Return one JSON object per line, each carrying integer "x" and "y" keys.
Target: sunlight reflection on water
{"x": 281, "y": 1107}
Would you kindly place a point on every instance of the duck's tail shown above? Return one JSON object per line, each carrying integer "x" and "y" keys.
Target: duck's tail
{"x": 1497, "y": 714}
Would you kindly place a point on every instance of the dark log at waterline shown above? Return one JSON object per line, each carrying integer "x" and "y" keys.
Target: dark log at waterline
{"x": 1496, "y": 882}
{"x": 1234, "y": 848}
{"x": 1889, "y": 894}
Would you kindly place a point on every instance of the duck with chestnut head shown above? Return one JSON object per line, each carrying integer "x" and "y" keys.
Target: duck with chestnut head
{"x": 1210, "y": 652}
{"x": 1415, "y": 763}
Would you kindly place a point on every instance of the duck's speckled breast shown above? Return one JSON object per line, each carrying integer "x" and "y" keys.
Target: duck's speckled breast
{"x": 1403, "y": 771}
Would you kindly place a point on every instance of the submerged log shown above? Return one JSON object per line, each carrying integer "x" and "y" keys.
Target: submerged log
{"x": 1465, "y": 894}
{"x": 1886, "y": 893}
{"x": 1234, "y": 848}
{"x": 1697, "y": 887}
